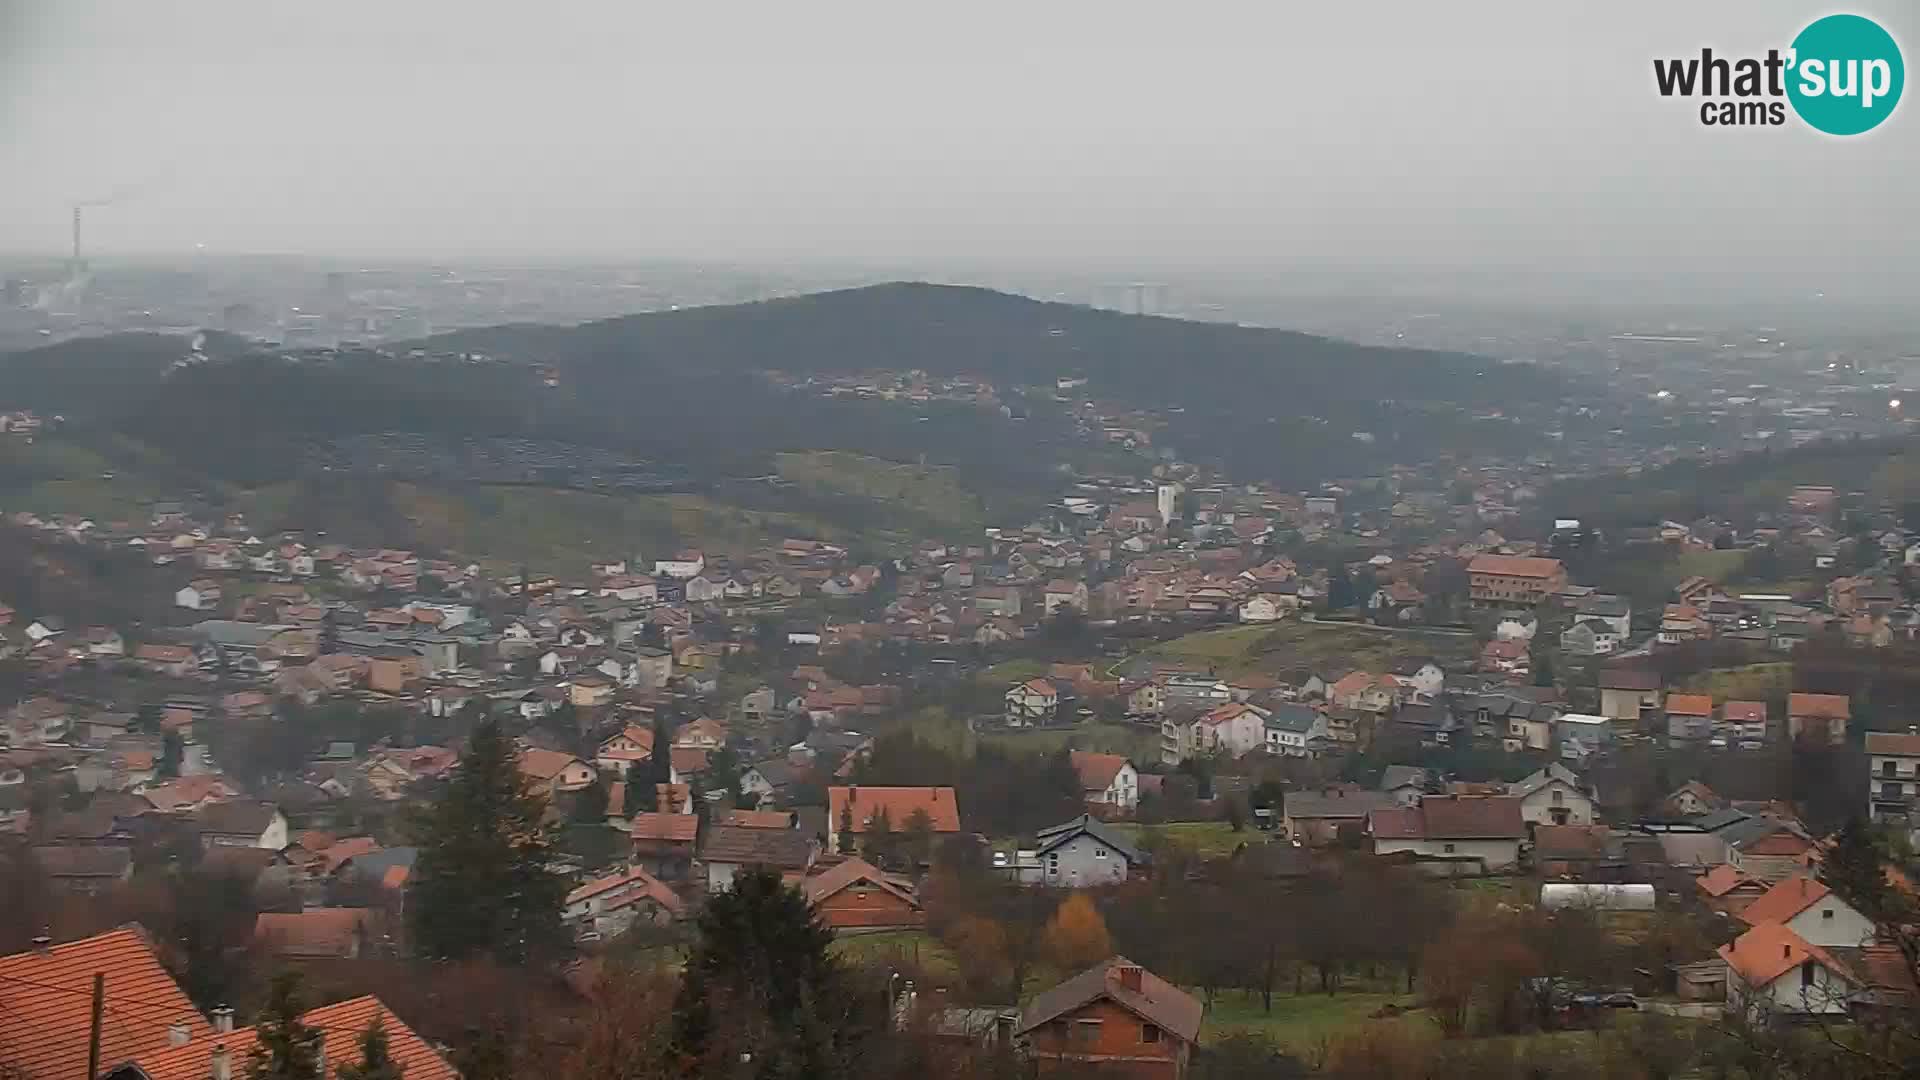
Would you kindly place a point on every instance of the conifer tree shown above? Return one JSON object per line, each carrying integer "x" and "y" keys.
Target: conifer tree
{"x": 376, "y": 1057}
{"x": 284, "y": 1048}
{"x": 481, "y": 885}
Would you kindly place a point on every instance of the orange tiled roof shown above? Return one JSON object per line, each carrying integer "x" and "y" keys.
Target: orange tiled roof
{"x": 861, "y": 804}
{"x": 341, "y": 1023}
{"x": 46, "y": 1000}
{"x": 1786, "y": 899}
{"x": 1765, "y": 953}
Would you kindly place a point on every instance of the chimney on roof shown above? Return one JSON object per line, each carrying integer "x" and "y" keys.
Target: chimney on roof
{"x": 1128, "y": 976}
{"x": 221, "y": 1065}
{"x": 223, "y": 1018}
{"x": 178, "y": 1033}
{"x": 320, "y": 1053}
{"x": 42, "y": 944}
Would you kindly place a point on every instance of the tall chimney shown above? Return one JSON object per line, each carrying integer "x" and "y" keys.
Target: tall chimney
{"x": 221, "y": 1065}
{"x": 320, "y": 1054}
{"x": 223, "y": 1018}
{"x": 178, "y": 1033}
{"x": 1128, "y": 976}
{"x": 42, "y": 944}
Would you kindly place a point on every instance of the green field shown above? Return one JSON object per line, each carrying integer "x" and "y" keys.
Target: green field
{"x": 898, "y": 949}
{"x": 936, "y": 725}
{"x": 1301, "y": 1021}
{"x": 1208, "y": 839}
{"x": 1332, "y": 647}
{"x": 1751, "y": 682}
{"x": 932, "y": 494}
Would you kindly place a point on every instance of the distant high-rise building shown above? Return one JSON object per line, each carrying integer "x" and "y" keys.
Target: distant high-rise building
{"x": 1168, "y": 500}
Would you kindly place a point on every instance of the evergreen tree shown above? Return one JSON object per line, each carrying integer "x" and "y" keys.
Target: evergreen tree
{"x": 376, "y": 1059}
{"x": 1856, "y": 868}
{"x": 877, "y": 844}
{"x": 284, "y": 1048}
{"x": 172, "y": 749}
{"x": 642, "y": 796}
{"x": 1542, "y": 663}
{"x": 481, "y": 884}
{"x": 845, "y": 830}
{"x": 659, "y": 762}
{"x": 761, "y": 987}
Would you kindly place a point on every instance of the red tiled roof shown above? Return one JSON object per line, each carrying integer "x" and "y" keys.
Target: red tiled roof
{"x": 760, "y": 819}
{"x": 1825, "y": 706}
{"x": 313, "y": 932}
{"x": 861, "y": 804}
{"x": 1890, "y": 742}
{"x": 1745, "y": 712}
{"x": 1765, "y": 953}
{"x": 846, "y": 873}
{"x": 678, "y": 828}
{"x": 1449, "y": 817}
{"x": 342, "y": 1024}
{"x": 1787, "y": 898}
{"x": 1689, "y": 705}
{"x": 1514, "y": 566}
{"x": 1722, "y": 880}
{"x": 1097, "y": 770}
{"x": 46, "y": 1000}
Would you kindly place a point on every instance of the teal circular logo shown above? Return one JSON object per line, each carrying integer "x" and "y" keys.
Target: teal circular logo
{"x": 1846, "y": 74}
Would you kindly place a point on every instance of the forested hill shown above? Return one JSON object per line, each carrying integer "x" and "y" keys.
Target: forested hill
{"x": 951, "y": 329}
{"x": 683, "y": 389}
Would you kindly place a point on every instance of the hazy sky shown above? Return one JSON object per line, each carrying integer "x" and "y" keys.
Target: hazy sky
{"x": 1442, "y": 132}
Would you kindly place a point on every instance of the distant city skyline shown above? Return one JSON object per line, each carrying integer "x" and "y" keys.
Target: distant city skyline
{"x": 1501, "y": 136}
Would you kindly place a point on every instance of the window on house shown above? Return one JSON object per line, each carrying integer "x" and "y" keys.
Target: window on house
{"x": 1149, "y": 1033}
{"x": 1447, "y": 848}
{"x": 1086, "y": 1031}
{"x": 1827, "y": 914}
{"x": 1558, "y": 797}
{"x": 1099, "y": 853}
{"x": 1806, "y": 975}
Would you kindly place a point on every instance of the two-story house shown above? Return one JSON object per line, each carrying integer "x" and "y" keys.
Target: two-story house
{"x": 1082, "y": 853}
{"x": 1108, "y": 780}
{"x": 1115, "y": 1015}
{"x": 1487, "y": 829}
{"x": 1509, "y": 580}
{"x": 1032, "y": 703}
{"x": 1893, "y": 779}
{"x": 1293, "y": 729}
{"x": 1818, "y": 716}
{"x": 1553, "y": 795}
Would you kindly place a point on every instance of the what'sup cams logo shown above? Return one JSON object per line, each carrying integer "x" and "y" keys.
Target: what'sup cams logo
{"x": 1842, "y": 75}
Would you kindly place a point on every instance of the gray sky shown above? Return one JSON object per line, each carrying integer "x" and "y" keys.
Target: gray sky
{"x": 1456, "y": 132}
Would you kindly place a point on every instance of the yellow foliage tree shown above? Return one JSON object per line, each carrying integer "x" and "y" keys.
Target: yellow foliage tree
{"x": 1076, "y": 937}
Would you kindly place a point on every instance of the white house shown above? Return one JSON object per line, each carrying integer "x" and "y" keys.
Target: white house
{"x": 609, "y": 905}
{"x": 1423, "y": 679}
{"x": 1808, "y": 908}
{"x": 1260, "y": 608}
{"x": 1772, "y": 970}
{"x": 1516, "y": 627}
{"x": 1107, "y": 779}
{"x": 1067, "y": 594}
{"x": 1590, "y": 637}
{"x": 1233, "y": 729}
{"x": 681, "y": 566}
{"x": 199, "y": 596}
{"x": 1482, "y": 829}
{"x": 1290, "y": 728}
{"x": 1893, "y": 779}
{"x": 1032, "y": 702}
{"x": 1553, "y": 795}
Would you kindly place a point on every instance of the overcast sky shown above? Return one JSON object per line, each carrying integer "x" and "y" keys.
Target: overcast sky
{"x": 1440, "y": 132}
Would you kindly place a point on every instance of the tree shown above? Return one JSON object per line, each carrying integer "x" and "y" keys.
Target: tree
{"x": 642, "y": 796}
{"x": 590, "y": 805}
{"x": 877, "y": 842}
{"x": 919, "y": 838}
{"x": 172, "y": 749}
{"x": 481, "y": 884}
{"x": 284, "y": 1048}
{"x": 376, "y": 1060}
{"x": 844, "y": 832}
{"x": 1340, "y": 595}
{"x": 1076, "y": 936}
{"x": 760, "y": 986}
{"x": 1542, "y": 663}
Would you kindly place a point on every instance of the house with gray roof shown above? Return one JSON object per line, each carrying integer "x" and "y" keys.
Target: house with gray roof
{"x": 1083, "y": 852}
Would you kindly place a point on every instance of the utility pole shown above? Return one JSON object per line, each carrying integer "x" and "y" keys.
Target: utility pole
{"x": 93, "y": 1032}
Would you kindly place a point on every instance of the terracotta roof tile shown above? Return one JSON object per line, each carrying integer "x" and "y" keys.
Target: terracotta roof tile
{"x": 341, "y": 1023}
{"x": 46, "y": 999}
